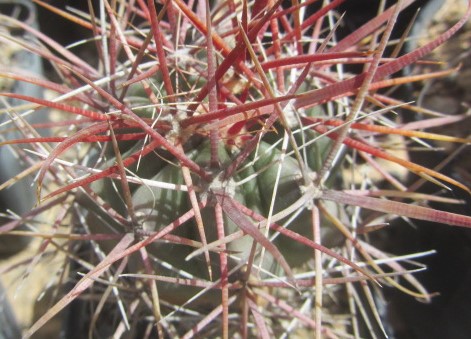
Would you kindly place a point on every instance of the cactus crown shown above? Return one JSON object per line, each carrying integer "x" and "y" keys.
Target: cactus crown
{"x": 211, "y": 155}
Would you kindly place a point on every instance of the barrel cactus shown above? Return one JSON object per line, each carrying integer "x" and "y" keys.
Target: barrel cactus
{"x": 209, "y": 155}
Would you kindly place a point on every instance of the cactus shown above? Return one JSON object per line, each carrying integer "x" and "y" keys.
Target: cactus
{"x": 207, "y": 163}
